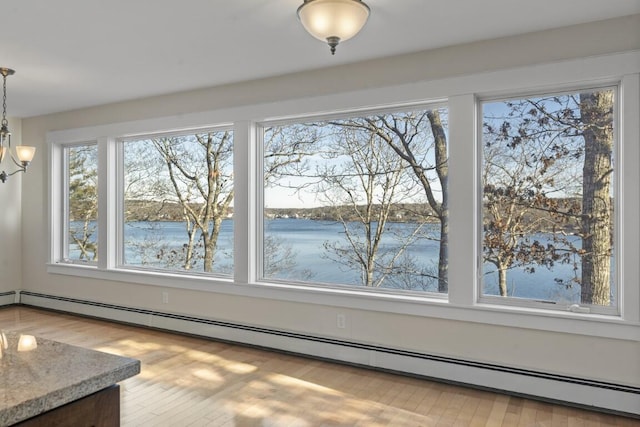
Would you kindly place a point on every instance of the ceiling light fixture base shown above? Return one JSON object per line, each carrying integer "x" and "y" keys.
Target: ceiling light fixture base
{"x": 333, "y": 43}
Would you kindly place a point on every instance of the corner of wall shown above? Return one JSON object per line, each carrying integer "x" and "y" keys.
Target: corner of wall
{"x": 11, "y": 219}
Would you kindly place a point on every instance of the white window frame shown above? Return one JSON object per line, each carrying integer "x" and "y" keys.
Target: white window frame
{"x": 460, "y": 94}
{"x": 119, "y": 203}
{"x": 259, "y": 186}
{"x": 61, "y": 249}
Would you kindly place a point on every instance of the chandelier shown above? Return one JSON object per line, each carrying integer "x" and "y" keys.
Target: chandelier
{"x": 23, "y": 153}
{"x": 333, "y": 21}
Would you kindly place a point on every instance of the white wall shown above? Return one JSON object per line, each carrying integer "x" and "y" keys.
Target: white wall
{"x": 10, "y": 219}
{"x": 574, "y": 354}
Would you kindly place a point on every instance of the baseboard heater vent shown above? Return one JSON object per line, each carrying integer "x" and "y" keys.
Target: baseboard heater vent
{"x": 8, "y": 298}
{"x": 582, "y": 392}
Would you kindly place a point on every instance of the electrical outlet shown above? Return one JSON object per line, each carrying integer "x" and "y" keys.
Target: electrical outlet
{"x": 165, "y": 297}
{"x": 341, "y": 321}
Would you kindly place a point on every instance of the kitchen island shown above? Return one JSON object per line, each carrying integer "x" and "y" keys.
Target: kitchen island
{"x": 44, "y": 383}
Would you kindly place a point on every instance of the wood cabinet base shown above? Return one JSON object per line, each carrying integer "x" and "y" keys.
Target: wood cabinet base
{"x": 100, "y": 409}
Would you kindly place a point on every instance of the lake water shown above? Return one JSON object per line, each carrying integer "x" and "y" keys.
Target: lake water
{"x": 307, "y": 238}
{"x": 308, "y": 257}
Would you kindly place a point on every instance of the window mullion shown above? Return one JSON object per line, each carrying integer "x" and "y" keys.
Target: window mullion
{"x": 58, "y": 202}
{"x": 462, "y": 200}
{"x": 244, "y": 161}
{"x": 629, "y": 232}
{"x": 107, "y": 203}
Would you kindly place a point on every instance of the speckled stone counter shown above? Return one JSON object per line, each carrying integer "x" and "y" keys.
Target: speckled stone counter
{"x": 54, "y": 374}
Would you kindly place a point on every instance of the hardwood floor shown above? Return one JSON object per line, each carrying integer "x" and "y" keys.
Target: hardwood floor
{"x": 187, "y": 381}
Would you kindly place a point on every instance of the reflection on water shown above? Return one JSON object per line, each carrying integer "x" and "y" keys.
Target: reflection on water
{"x": 303, "y": 241}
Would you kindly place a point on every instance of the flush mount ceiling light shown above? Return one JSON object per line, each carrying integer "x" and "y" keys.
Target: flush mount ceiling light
{"x": 23, "y": 153}
{"x": 333, "y": 21}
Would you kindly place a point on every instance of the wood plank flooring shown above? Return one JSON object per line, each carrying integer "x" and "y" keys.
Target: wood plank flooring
{"x": 187, "y": 381}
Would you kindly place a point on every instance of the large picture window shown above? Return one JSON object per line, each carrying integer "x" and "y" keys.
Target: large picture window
{"x": 178, "y": 202}
{"x": 358, "y": 200}
{"x": 549, "y": 199}
{"x": 496, "y": 201}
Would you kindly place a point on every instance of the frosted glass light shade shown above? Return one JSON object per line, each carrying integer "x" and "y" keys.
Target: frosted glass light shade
{"x": 327, "y": 19}
{"x": 25, "y": 153}
{"x": 5, "y": 141}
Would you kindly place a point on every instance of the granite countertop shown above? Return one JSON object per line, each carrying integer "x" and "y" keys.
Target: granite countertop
{"x": 54, "y": 374}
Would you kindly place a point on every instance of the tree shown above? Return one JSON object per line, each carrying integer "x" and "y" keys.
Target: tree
{"x": 547, "y": 168}
{"x": 83, "y": 200}
{"x": 279, "y": 260}
{"x": 366, "y": 179}
{"x": 517, "y": 203}
{"x": 419, "y": 138}
{"x": 357, "y": 186}
{"x": 596, "y": 110}
{"x": 286, "y": 152}
{"x": 199, "y": 171}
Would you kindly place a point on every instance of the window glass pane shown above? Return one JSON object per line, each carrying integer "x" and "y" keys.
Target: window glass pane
{"x": 82, "y": 203}
{"x": 178, "y": 202}
{"x": 358, "y": 201}
{"x": 548, "y": 198}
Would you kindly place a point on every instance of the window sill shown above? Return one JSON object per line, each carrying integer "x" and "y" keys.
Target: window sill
{"x": 588, "y": 324}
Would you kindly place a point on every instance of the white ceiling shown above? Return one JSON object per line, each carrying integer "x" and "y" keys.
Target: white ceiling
{"x": 71, "y": 54}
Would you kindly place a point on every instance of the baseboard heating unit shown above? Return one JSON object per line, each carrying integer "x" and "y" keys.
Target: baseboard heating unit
{"x": 599, "y": 395}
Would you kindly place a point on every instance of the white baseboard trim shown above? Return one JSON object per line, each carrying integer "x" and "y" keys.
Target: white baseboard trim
{"x": 581, "y": 392}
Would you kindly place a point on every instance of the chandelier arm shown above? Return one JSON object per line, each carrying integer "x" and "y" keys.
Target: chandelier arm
{"x": 22, "y": 169}
{"x": 4, "y": 175}
{"x": 18, "y": 163}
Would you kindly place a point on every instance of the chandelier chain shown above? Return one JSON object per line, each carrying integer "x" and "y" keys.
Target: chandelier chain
{"x": 4, "y": 100}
